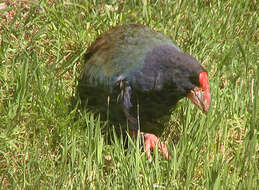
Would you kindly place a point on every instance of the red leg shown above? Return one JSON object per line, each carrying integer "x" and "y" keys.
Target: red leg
{"x": 150, "y": 143}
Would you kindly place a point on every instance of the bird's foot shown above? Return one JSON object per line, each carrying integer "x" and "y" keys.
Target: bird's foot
{"x": 150, "y": 143}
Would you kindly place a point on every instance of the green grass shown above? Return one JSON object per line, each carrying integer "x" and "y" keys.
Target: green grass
{"x": 43, "y": 146}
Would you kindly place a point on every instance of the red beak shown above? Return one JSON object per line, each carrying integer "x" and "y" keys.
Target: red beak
{"x": 200, "y": 96}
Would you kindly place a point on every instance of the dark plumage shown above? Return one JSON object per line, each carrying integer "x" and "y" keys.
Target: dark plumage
{"x": 144, "y": 74}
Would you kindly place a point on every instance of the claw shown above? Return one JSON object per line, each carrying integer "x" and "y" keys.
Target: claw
{"x": 150, "y": 143}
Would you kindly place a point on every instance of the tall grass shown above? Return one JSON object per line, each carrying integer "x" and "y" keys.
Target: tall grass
{"x": 43, "y": 146}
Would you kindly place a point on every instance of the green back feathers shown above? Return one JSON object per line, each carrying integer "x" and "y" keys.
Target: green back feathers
{"x": 120, "y": 51}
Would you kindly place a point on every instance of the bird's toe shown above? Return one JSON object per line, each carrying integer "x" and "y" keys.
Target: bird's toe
{"x": 150, "y": 143}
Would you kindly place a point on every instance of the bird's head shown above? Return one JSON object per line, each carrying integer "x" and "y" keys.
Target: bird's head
{"x": 190, "y": 79}
{"x": 179, "y": 73}
{"x": 200, "y": 95}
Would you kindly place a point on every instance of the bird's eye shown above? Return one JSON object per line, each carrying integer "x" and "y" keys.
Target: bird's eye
{"x": 195, "y": 80}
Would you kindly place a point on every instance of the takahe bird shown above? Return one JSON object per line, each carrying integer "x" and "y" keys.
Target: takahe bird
{"x": 139, "y": 75}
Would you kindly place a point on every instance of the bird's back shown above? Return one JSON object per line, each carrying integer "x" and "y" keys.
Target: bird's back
{"x": 119, "y": 52}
